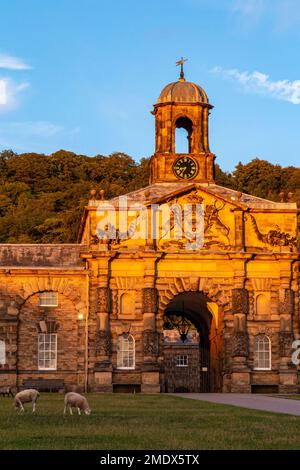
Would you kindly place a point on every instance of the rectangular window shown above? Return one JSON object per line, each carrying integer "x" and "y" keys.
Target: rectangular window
{"x": 47, "y": 353}
{"x": 2, "y": 353}
{"x": 48, "y": 299}
{"x": 182, "y": 361}
{"x": 126, "y": 352}
{"x": 262, "y": 353}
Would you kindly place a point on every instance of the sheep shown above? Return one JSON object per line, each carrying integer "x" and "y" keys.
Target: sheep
{"x": 6, "y": 391}
{"x": 26, "y": 396}
{"x": 75, "y": 400}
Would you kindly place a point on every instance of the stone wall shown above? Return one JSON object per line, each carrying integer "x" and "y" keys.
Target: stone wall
{"x": 70, "y": 340}
{"x": 40, "y": 255}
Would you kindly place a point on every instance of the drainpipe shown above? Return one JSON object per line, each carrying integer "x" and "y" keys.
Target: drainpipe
{"x": 86, "y": 361}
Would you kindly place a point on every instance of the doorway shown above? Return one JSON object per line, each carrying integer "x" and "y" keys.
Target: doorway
{"x": 191, "y": 345}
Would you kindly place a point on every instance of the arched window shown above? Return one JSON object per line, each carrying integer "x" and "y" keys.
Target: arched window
{"x": 262, "y": 305}
{"x": 127, "y": 304}
{"x": 126, "y": 352}
{"x": 262, "y": 352}
{"x": 183, "y": 135}
{"x": 2, "y": 353}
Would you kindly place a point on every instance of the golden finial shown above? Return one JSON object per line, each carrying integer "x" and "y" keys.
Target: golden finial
{"x": 181, "y": 62}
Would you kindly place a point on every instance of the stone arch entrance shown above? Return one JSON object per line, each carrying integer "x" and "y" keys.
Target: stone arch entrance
{"x": 192, "y": 360}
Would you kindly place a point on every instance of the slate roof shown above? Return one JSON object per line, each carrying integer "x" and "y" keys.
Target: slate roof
{"x": 156, "y": 191}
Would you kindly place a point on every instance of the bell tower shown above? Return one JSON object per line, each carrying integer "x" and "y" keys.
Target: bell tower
{"x": 184, "y": 105}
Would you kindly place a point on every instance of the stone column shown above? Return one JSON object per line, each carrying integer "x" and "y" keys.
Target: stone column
{"x": 150, "y": 337}
{"x": 103, "y": 365}
{"x": 287, "y": 370}
{"x": 240, "y": 376}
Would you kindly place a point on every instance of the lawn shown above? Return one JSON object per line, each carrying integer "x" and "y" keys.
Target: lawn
{"x": 125, "y": 421}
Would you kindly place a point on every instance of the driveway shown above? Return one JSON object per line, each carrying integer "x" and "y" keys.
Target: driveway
{"x": 246, "y": 400}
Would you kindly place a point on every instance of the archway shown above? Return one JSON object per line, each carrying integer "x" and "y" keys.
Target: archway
{"x": 183, "y": 135}
{"x": 192, "y": 344}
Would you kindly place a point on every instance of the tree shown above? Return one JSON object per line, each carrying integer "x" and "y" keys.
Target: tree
{"x": 42, "y": 196}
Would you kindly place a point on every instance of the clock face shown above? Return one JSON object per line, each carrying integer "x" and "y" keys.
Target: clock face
{"x": 185, "y": 168}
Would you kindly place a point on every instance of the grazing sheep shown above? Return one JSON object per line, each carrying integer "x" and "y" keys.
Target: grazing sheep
{"x": 75, "y": 400}
{"x": 26, "y": 396}
{"x": 6, "y": 391}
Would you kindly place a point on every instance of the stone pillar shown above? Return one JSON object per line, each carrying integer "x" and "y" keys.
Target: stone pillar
{"x": 287, "y": 370}
{"x": 150, "y": 338}
{"x": 240, "y": 375}
{"x": 103, "y": 365}
{"x": 150, "y": 369}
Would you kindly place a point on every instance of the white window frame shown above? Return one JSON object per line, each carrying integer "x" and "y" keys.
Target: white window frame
{"x": 43, "y": 350}
{"x": 2, "y": 352}
{"x": 262, "y": 352}
{"x": 182, "y": 360}
{"x": 43, "y": 299}
{"x": 126, "y": 352}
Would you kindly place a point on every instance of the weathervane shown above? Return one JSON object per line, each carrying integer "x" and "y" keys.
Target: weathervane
{"x": 181, "y": 62}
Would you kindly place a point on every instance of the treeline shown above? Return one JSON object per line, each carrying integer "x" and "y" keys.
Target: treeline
{"x": 42, "y": 196}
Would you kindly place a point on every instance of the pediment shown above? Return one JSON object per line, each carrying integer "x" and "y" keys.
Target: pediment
{"x": 228, "y": 221}
{"x": 196, "y": 194}
{"x": 218, "y": 221}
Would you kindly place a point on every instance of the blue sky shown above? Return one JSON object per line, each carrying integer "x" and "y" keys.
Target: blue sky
{"x": 83, "y": 74}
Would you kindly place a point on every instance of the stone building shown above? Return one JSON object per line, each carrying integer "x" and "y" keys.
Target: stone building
{"x": 91, "y": 315}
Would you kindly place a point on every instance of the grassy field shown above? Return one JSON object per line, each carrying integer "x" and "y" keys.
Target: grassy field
{"x": 122, "y": 421}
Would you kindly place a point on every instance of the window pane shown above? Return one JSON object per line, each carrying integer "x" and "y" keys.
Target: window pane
{"x": 262, "y": 352}
{"x": 2, "y": 353}
{"x": 47, "y": 351}
{"x": 49, "y": 299}
{"x": 126, "y": 352}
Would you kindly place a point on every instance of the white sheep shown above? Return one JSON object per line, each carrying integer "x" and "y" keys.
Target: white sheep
{"x": 26, "y": 396}
{"x": 6, "y": 391}
{"x": 75, "y": 400}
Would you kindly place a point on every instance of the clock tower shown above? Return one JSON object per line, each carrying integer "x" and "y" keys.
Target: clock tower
{"x": 184, "y": 105}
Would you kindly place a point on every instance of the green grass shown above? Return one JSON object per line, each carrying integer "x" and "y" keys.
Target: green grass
{"x": 121, "y": 421}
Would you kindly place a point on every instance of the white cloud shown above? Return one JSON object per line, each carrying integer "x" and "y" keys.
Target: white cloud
{"x": 2, "y": 92}
{"x": 9, "y": 62}
{"x": 9, "y": 91}
{"x": 259, "y": 82}
{"x": 31, "y": 128}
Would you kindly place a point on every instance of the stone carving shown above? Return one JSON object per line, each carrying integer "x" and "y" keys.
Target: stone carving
{"x": 215, "y": 231}
{"x": 286, "y": 307}
{"x": 274, "y": 237}
{"x": 194, "y": 197}
{"x": 285, "y": 340}
{"x": 150, "y": 343}
{"x": 103, "y": 343}
{"x": 103, "y": 299}
{"x": 94, "y": 240}
{"x": 240, "y": 344}
{"x": 240, "y": 301}
{"x": 149, "y": 300}
{"x": 264, "y": 330}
